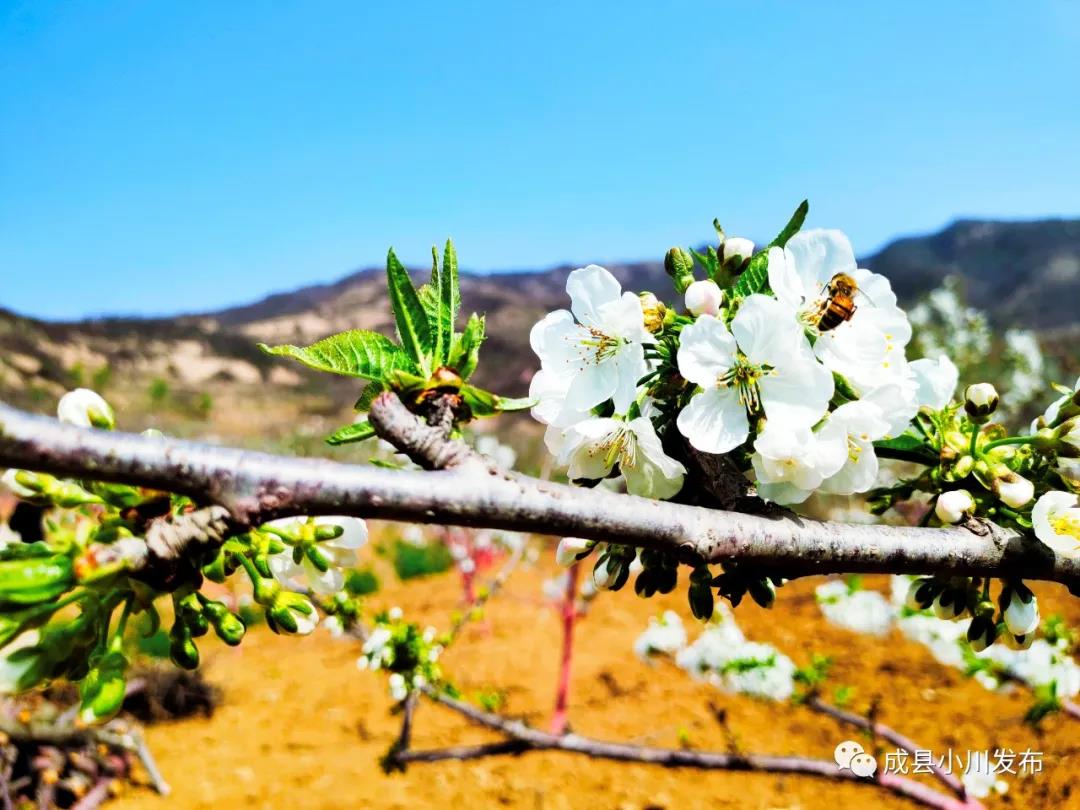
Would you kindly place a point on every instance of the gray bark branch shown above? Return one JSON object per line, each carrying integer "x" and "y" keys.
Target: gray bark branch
{"x": 256, "y": 487}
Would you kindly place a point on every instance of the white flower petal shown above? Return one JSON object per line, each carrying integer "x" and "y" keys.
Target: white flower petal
{"x": 714, "y": 421}
{"x": 589, "y": 289}
{"x": 706, "y": 350}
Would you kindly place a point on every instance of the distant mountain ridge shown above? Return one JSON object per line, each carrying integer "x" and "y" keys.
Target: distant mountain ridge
{"x": 1024, "y": 273}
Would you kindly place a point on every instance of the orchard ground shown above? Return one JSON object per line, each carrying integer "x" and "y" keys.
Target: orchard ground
{"x": 300, "y": 726}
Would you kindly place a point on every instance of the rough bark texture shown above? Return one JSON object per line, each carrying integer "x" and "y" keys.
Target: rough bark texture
{"x": 256, "y": 487}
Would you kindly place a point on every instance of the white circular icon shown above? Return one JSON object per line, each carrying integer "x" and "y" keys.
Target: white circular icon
{"x": 844, "y": 753}
{"x": 863, "y": 765}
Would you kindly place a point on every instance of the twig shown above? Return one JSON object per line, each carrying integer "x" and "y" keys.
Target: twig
{"x": 256, "y": 487}
{"x": 569, "y": 617}
{"x": 897, "y": 739}
{"x": 95, "y": 796}
{"x": 523, "y": 738}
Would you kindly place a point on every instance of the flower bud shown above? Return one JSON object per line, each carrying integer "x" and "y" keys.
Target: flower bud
{"x": 921, "y": 593}
{"x": 1018, "y": 642}
{"x": 1067, "y": 438}
{"x": 606, "y": 573}
{"x": 954, "y": 505}
{"x": 762, "y": 591}
{"x": 949, "y": 604}
{"x": 1069, "y": 470}
{"x": 85, "y": 408}
{"x": 22, "y": 483}
{"x": 1013, "y": 490}
{"x": 736, "y": 248}
{"x": 1022, "y": 612}
{"x": 963, "y": 467}
{"x": 572, "y": 549}
{"x": 653, "y": 310}
{"x": 102, "y": 690}
{"x": 981, "y": 633}
{"x": 702, "y": 601}
{"x": 182, "y": 649}
{"x": 980, "y": 400}
{"x": 680, "y": 266}
{"x": 227, "y": 624}
{"x": 704, "y": 298}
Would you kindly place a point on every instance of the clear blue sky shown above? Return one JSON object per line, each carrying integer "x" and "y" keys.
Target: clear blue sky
{"x": 167, "y": 156}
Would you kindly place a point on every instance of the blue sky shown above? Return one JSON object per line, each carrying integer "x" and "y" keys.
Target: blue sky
{"x": 178, "y": 156}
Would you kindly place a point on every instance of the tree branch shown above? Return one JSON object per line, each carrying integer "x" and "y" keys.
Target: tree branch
{"x": 256, "y": 487}
{"x": 522, "y": 738}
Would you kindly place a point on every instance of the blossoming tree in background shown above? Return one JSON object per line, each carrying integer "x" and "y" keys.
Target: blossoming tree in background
{"x": 769, "y": 376}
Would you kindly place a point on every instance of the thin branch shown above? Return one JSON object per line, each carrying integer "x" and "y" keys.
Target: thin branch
{"x": 897, "y": 739}
{"x": 522, "y": 738}
{"x": 256, "y": 487}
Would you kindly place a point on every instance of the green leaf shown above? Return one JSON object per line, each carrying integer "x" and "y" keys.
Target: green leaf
{"x": 466, "y": 352}
{"x": 793, "y": 226}
{"x": 356, "y": 353}
{"x": 449, "y": 299}
{"x": 906, "y": 447}
{"x": 508, "y": 405}
{"x": 480, "y": 402}
{"x": 409, "y": 314}
{"x": 755, "y": 278}
{"x": 371, "y": 390}
{"x": 356, "y": 432}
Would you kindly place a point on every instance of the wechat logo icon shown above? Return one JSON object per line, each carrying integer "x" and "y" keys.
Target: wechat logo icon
{"x": 849, "y": 754}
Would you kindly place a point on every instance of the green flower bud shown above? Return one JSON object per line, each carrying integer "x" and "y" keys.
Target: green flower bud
{"x": 102, "y": 690}
{"x": 680, "y": 266}
{"x": 227, "y": 624}
{"x": 182, "y": 649}
{"x": 35, "y": 580}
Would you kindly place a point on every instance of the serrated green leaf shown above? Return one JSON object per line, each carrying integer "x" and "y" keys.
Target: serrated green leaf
{"x": 449, "y": 300}
{"x": 411, "y": 319}
{"x": 356, "y": 353}
{"x": 906, "y": 447}
{"x": 356, "y": 432}
{"x": 755, "y": 278}
{"x": 466, "y": 352}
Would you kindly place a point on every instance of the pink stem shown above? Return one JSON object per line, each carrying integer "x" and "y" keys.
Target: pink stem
{"x": 569, "y": 617}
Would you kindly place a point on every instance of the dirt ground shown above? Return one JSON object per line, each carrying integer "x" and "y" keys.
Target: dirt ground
{"x": 301, "y": 727}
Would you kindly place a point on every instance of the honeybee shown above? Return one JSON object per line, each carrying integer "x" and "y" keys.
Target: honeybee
{"x": 840, "y": 304}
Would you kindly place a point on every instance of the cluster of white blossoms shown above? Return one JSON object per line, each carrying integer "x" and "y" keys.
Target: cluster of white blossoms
{"x": 1041, "y": 663}
{"x": 721, "y": 656}
{"x": 759, "y": 370}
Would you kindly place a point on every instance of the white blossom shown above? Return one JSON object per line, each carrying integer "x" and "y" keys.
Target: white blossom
{"x": 1014, "y": 490}
{"x": 867, "y": 348}
{"x": 862, "y": 611}
{"x": 570, "y": 548}
{"x": 762, "y": 366}
{"x": 936, "y": 381}
{"x": 340, "y": 552}
{"x": 704, "y": 298}
{"x": 596, "y": 348}
{"x": 1022, "y": 616}
{"x": 85, "y": 408}
{"x": 664, "y": 636}
{"x": 591, "y": 449}
{"x": 954, "y": 505}
{"x": 737, "y": 246}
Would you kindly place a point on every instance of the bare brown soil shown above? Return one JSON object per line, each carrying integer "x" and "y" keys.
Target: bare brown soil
{"x": 300, "y": 727}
